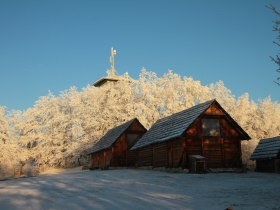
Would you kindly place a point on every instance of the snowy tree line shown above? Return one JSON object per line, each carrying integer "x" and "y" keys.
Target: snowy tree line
{"x": 57, "y": 130}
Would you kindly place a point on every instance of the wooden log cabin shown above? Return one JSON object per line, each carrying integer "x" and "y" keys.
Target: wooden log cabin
{"x": 113, "y": 148}
{"x": 206, "y": 130}
{"x": 267, "y": 155}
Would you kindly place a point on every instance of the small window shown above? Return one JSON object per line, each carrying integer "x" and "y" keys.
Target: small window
{"x": 211, "y": 127}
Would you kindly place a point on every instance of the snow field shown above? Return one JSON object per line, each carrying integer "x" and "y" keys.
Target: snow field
{"x": 141, "y": 189}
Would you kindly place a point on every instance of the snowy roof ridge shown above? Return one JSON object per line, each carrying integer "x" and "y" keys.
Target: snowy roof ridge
{"x": 176, "y": 124}
{"x": 110, "y": 137}
{"x": 267, "y": 148}
{"x": 172, "y": 126}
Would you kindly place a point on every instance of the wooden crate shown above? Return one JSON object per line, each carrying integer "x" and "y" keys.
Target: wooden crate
{"x": 197, "y": 164}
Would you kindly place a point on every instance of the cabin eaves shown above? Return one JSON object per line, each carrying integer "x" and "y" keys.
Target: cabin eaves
{"x": 110, "y": 137}
{"x": 267, "y": 149}
{"x": 175, "y": 125}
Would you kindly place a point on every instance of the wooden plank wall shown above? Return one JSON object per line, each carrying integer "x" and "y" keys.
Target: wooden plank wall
{"x": 220, "y": 151}
{"x": 213, "y": 151}
{"x": 232, "y": 153}
{"x": 165, "y": 154}
{"x": 101, "y": 159}
{"x": 119, "y": 152}
{"x": 145, "y": 156}
{"x": 136, "y": 127}
{"x": 94, "y": 161}
{"x": 194, "y": 146}
{"x": 176, "y": 153}
{"x": 118, "y": 155}
{"x": 160, "y": 157}
{"x": 131, "y": 158}
{"x": 265, "y": 165}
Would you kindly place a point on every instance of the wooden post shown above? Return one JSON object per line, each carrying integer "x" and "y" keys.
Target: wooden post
{"x": 202, "y": 146}
{"x": 184, "y": 152}
{"x": 222, "y": 150}
{"x": 240, "y": 153}
{"x": 168, "y": 155}
{"x": 104, "y": 159}
{"x": 153, "y": 156}
{"x": 172, "y": 161}
{"x": 91, "y": 160}
{"x": 277, "y": 165}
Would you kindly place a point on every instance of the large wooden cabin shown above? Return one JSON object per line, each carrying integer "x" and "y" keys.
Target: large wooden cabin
{"x": 206, "y": 130}
{"x": 267, "y": 155}
{"x": 113, "y": 148}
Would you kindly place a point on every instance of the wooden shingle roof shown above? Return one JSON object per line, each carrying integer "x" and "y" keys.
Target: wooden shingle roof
{"x": 172, "y": 126}
{"x": 110, "y": 137}
{"x": 175, "y": 125}
{"x": 267, "y": 148}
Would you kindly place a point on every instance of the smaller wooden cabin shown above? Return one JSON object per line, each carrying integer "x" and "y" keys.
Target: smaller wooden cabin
{"x": 113, "y": 148}
{"x": 267, "y": 155}
{"x": 205, "y": 130}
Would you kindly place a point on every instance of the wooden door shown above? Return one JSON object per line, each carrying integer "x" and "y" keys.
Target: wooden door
{"x": 176, "y": 153}
{"x": 120, "y": 152}
{"x": 193, "y": 146}
{"x": 232, "y": 153}
{"x": 212, "y": 150}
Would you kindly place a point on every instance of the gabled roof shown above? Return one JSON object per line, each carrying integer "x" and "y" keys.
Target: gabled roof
{"x": 111, "y": 136}
{"x": 175, "y": 125}
{"x": 267, "y": 148}
{"x": 103, "y": 80}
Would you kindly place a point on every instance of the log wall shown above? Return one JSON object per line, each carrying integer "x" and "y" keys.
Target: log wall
{"x": 169, "y": 154}
{"x": 176, "y": 153}
{"x": 101, "y": 159}
{"x": 119, "y": 155}
{"x": 265, "y": 165}
{"x": 145, "y": 156}
{"x": 223, "y": 150}
{"x": 160, "y": 155}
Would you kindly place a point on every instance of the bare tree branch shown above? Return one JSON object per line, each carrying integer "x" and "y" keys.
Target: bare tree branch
{"x": 276, "y": 28}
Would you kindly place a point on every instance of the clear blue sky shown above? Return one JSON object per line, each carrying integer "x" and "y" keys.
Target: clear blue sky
{"x": 55, "y": 44}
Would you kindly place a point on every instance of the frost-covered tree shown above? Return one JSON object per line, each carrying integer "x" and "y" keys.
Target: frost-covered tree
{"x": 3, "y": 126}
{"x": 10, "y": 150}
{"x": 58, "y": 130}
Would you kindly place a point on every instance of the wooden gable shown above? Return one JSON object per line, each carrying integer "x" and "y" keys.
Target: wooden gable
{"x": 113, "y": 148}
{"x": 214, "y": 110}
{"x": 228, "y": 127}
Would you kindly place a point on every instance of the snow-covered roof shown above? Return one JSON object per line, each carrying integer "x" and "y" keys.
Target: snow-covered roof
{"x": 111, "y": 137}
{"x": 175, "y": 125}
{"x": 267, "y": 148}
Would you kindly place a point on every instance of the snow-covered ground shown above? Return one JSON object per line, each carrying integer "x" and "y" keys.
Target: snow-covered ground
{"x": 141, "y": 189}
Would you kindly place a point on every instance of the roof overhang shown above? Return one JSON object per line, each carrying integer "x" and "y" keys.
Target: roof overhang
{"x": 103, "y": 80}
